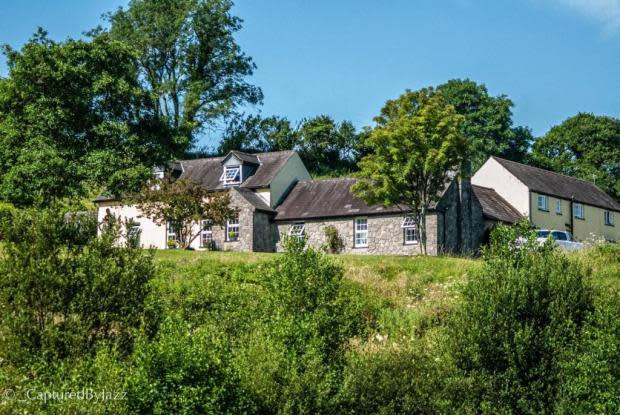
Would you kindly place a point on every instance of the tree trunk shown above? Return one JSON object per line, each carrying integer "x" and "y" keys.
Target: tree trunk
{"x": 422, "y": 230}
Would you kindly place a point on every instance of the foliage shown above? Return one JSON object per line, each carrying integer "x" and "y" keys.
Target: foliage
{"x": 487, "y": 125}
{"x": 526, "y": 307}
{"x": 255, "y": 134}
{"x": 416, "y": 145}
{"x": 585, "y": 146}
{"x": 183, "y": 203}
{"x": 188, "y": 59}
{"x": 395, "y": 380}
{"x": 333, "y": 241}
{"x": 73, "y": 117}
{"x": 62, "y": 294}
{"x": 325, "y": 145}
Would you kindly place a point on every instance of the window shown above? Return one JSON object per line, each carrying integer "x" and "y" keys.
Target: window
{"x": 543, "y": 203}
{"x": 410, "y": 231}
{"x": 172, "y": 241}
{"x": 232, "y": 175}
{"x": 232, "y": 230}
{"x": 361, "y": 233}
{"x": 206, "y": 233}
{"x": 609, "y": 218}
{"x": 578, "y": 211}
{"x": 558, "y": 207}
{"x": 297, "y": 229}
{"x": 133, "y": 234}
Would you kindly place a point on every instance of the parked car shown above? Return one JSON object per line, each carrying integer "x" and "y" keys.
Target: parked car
{"x": 563, "y": 239}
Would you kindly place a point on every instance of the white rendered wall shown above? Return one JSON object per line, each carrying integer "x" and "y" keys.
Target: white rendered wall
{"x": 493, "y": 175}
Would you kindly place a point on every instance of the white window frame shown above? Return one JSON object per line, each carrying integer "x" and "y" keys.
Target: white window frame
{"x": 409, "y": 228}
{"x": 558, "y": 207}
{"x": 608, "y": 218}
{"x": 206, "y": 232}
{"x": 545, "y": 203}
{"x": 297, "y": 229}
{"x": 578, "y": 211}
{"x": 360, "y": 233}
{"x": 232, "y": 225}
{"x": 236, "y": 170}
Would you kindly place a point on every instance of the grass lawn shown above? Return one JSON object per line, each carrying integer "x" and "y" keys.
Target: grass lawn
{"x": 415, "y": 293}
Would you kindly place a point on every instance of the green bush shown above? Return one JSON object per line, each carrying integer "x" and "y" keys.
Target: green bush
{"x": 333, "y": 241}
{"x": 591, "y": 370}
{"x": 410, "y": 379}
{"x": 61, "y": 294}
{"x": 518, "y": 315}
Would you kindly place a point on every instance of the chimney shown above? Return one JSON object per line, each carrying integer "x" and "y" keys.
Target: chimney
{"x": 464, "y": 212}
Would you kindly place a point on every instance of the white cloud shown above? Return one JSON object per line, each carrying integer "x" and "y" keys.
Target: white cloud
{"x": 607, "y": 12}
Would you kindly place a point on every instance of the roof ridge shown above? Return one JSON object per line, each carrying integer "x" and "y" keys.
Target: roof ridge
{"x": 482, "y": 187}
{"x": 548, "y": 171}
{"x": 329, "y": 179}
{"x": 236, "y": 151}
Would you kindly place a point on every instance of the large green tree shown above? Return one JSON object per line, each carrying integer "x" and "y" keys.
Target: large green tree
{"x": 415, "y": 146}
{"x": 189, "y": 59}
{"x": 585, "y": 146}
{"x": 325, "y": 145}
{"x": 488, "y": 122}
{"x": 254, "y": 133}
{"x": 73, "y": 116}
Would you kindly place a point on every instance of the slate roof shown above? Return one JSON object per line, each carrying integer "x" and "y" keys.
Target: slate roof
{"x": 496, "y": 207}
{"x": 255, "y": 200}
{"x": 326, "y": 198}
{"x": 207, "y": 171}
{"x": 559, "y": 185}
{"x": 246, "y": 157}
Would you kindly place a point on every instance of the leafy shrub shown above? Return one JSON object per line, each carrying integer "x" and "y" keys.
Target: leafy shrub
{"x": 292, "y": 361}
{"x": 518, "y": 315}
{"x": 395, "y": 380}
{"x": 61, "y": 293}
{"x": 591, "y": 370}
{"x": 184, "y": 370}
{"x": 333, "y": 241}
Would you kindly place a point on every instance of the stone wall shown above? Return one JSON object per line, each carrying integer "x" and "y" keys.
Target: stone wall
{"x": 385, "y": 234}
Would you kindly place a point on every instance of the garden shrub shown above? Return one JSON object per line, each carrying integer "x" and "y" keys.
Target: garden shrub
{"x": 518, "y": 315}
{"x": 408, "y": 379}
{"x": 61, "y": 293}
{"x": 333, "y": 241}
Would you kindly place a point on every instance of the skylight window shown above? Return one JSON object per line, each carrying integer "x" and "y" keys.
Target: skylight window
{"x": 232, "y": 175}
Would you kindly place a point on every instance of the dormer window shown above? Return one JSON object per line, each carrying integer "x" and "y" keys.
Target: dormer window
{"x": 232, "y": 175}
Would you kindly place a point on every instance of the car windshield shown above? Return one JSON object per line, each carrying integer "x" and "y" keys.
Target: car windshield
{"x": 559, "y": 236}
{"x": 542, "y": 234}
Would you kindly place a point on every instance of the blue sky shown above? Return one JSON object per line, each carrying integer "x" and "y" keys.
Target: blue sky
{"x": 345, "y": 58}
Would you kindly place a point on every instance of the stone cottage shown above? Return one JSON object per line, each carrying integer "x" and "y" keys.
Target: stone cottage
{"x": 275, "y": 196}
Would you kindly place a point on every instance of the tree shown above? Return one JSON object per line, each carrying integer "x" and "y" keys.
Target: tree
{"x": 189, "y": 59}
{"x": 182, "y": 204}
{"x": 256, "y": 134}
{"x": 488, "y": 122}
{"x": 72, "y": 117}
{"x": 326, "y": 146}
{"x": 415, "y": 145}
{"x": 586, "y": 146}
